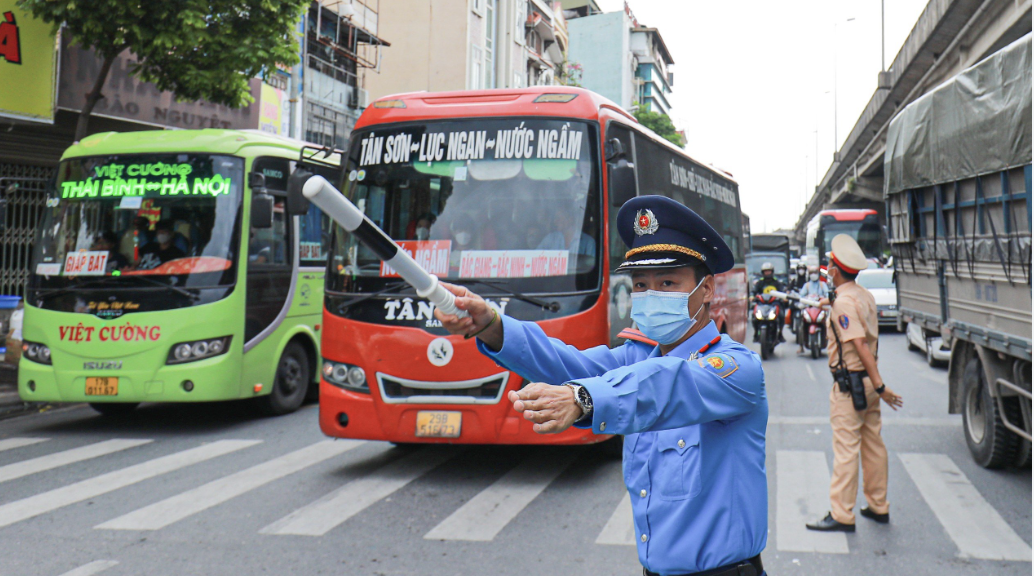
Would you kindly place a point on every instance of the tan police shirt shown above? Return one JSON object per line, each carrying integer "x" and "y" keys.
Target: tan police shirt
{"x": 853, "y": 316}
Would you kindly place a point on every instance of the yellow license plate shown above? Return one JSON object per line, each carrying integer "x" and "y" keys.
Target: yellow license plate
{"x": 101, "y": 386}
{"x": 434, "y": 424}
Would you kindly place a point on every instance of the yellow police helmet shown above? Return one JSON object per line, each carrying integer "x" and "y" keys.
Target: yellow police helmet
{"x": 847, "y": 255}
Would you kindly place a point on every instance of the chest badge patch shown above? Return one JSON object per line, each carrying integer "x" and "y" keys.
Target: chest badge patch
{"x": 721, "y": 364}
{"x": 645, "y": 222}
{"x": 844, "y": 321}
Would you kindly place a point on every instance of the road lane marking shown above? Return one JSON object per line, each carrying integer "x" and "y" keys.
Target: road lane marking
{"x": 50, "y": 461}
{"x": 12, "y": 443}
{"x": 176, "y": 508}
{"x": 974, "y": 525}
{"x": 91, "y": 568}
{"x": 807, "y": 368}
{"x": 620, "y": 529}
{"x": 802, "y": 483}
{"x": 486, "y": 514}
{"x": 60, "y": 497}
{"x": 887, "y": 421}
{"x": 332, "y": 510}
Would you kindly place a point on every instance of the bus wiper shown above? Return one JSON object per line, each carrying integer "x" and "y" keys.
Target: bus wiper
{"x": 550, "y": 306}
{"x": 391, "y": 287}
{"x": 177, "y": 289}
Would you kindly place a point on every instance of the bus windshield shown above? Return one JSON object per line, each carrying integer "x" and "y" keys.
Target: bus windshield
{"x": 134, "y": 220}
{"x": 866, "y": 233}
{"x": 507, "y": 201}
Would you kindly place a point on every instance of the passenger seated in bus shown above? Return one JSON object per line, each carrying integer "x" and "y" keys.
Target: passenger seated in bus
{"x": 420, "y": 229}
{"x": 106, "y": 242}
{"x": 463, "y": 238}
{"x": 138, "y": 235}
{"x": 566, "y": 234}
{"x": 162, "y": 249}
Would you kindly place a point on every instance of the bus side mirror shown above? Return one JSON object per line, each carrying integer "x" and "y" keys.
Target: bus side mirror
{"x": 614, "y": 149}
{"x": 261, "y": 202}
{"x": 620, "y": 182}
{"x": 297, "y": 203}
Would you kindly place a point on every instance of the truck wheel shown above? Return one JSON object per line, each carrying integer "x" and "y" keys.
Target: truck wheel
{"x": 990, "y": 443}
{"x": 114, "y": 410}
{"x": 292, "y": 381}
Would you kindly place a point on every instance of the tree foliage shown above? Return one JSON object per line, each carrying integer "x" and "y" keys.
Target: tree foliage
{"x": 196, "y": 49}
{"x": 660, "y": 123}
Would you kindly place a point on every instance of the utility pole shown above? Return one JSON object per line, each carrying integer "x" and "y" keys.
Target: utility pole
{"x": 883, "y": 39}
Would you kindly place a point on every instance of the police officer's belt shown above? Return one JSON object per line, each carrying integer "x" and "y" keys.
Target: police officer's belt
{"x": 750, "y": 567}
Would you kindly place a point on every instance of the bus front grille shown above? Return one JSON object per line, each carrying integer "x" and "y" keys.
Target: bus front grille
{"x": 487, "y": 390}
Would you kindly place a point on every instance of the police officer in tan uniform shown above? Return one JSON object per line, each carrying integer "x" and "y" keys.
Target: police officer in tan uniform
{"x": 853, "y": 317}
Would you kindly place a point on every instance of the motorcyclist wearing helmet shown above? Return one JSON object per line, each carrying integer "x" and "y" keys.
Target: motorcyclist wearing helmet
{"x": 766, "y": 284}
{"x": 813, "y": 289}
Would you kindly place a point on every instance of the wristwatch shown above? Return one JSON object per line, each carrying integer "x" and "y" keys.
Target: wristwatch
{"x": 881, "y": 388}
{"x": 582, "y": 397}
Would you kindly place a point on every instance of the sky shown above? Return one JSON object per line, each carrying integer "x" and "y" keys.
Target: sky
{"x": 754, "y": 86}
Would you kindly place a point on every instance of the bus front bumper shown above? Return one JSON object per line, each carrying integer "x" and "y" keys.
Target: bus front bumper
{"x": 206, "y": 380}
{"x": 346, "y": 414}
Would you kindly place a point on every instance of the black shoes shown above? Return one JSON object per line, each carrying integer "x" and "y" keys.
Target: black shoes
{"x": 881, "y": 518}
{"x": 828, "y": 524}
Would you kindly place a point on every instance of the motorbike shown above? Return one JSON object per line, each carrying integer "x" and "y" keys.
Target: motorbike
{"x": 769, "y": 320}
{"x": 812, "y": 329}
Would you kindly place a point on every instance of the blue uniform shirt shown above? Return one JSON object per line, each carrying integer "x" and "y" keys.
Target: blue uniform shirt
{"x": 694, "y": 427}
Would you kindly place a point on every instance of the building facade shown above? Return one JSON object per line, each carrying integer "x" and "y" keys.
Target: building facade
{"x": 469, "y": 45}
{"x": 621, "y": 59}
{"x": 654, "y": 79}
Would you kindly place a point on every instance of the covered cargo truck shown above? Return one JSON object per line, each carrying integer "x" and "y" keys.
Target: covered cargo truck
{"x": 957, "y": 182}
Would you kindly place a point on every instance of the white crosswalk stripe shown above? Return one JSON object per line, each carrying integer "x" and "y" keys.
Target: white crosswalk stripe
{"x": 974, "y": 525}
{"x": 91, "y": 568}
{"x": 12, "y": 443}
{"x": 620, "y": 529}
{"x": 486, "y": 514}
{"x": 176, "y": 508}
{"x": 332, "y": 510}
{"x": 60, "y": 497}
{"x": 802, "y": 485}
{"x": 50, "y": 461}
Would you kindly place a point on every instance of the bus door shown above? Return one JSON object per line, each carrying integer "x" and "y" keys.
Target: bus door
{"x": 620, "y": 303}
{"x": 270, "y": 261}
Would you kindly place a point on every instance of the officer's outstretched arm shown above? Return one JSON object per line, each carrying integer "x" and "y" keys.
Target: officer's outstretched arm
{"x": 529, "y": 352}
{"x": 665, "y": 393}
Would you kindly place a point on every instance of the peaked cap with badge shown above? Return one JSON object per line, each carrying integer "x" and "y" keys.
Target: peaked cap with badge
{"x": 847, "y": 255}
{"x": 662, "y": 233}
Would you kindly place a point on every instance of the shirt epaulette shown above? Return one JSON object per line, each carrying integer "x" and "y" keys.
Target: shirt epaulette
{"x": 714, "y": 341}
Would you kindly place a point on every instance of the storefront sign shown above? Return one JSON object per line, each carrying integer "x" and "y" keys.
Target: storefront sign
{"x": 274, "y": 108}
{"x": 27, "y": 61}
{"x": 128, "y": 98}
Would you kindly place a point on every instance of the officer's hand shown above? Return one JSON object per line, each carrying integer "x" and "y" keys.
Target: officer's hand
{"x": 480, "y": 315}
{"x": 892, "y": 399}
{"x": 553, "y": 409}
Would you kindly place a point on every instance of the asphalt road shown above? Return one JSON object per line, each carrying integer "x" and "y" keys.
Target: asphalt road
{"x": 213, "y": 489}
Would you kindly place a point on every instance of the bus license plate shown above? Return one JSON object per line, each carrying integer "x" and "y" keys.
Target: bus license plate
{"x": 101, "y": 386}
{"x": 434, "y": 424}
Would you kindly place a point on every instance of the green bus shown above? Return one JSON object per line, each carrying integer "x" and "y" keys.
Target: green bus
{"x": 170, "y": 267}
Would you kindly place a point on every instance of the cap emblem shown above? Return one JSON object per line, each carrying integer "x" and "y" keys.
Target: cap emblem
{"x": 645, "y": 222}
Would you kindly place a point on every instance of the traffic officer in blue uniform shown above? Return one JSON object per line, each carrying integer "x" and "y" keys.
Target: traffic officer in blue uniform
{"x": 692, "y": 409}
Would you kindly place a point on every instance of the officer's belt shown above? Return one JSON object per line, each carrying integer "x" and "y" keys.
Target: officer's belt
{"x": 749, "y": 567}
{"x": 864, "y": 373}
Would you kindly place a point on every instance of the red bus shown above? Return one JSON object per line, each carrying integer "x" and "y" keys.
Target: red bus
{"x": 506, "y": 192}
{"x": 862, "y": 224}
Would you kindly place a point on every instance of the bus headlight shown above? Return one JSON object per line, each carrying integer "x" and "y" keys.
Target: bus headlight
{"x": 197, "y": 350}
{"x": 39, "y": 353}
{"x": 345, "y": 376}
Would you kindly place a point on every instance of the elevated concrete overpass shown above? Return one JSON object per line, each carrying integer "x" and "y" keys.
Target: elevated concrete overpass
{"x": 948, "y": 37}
